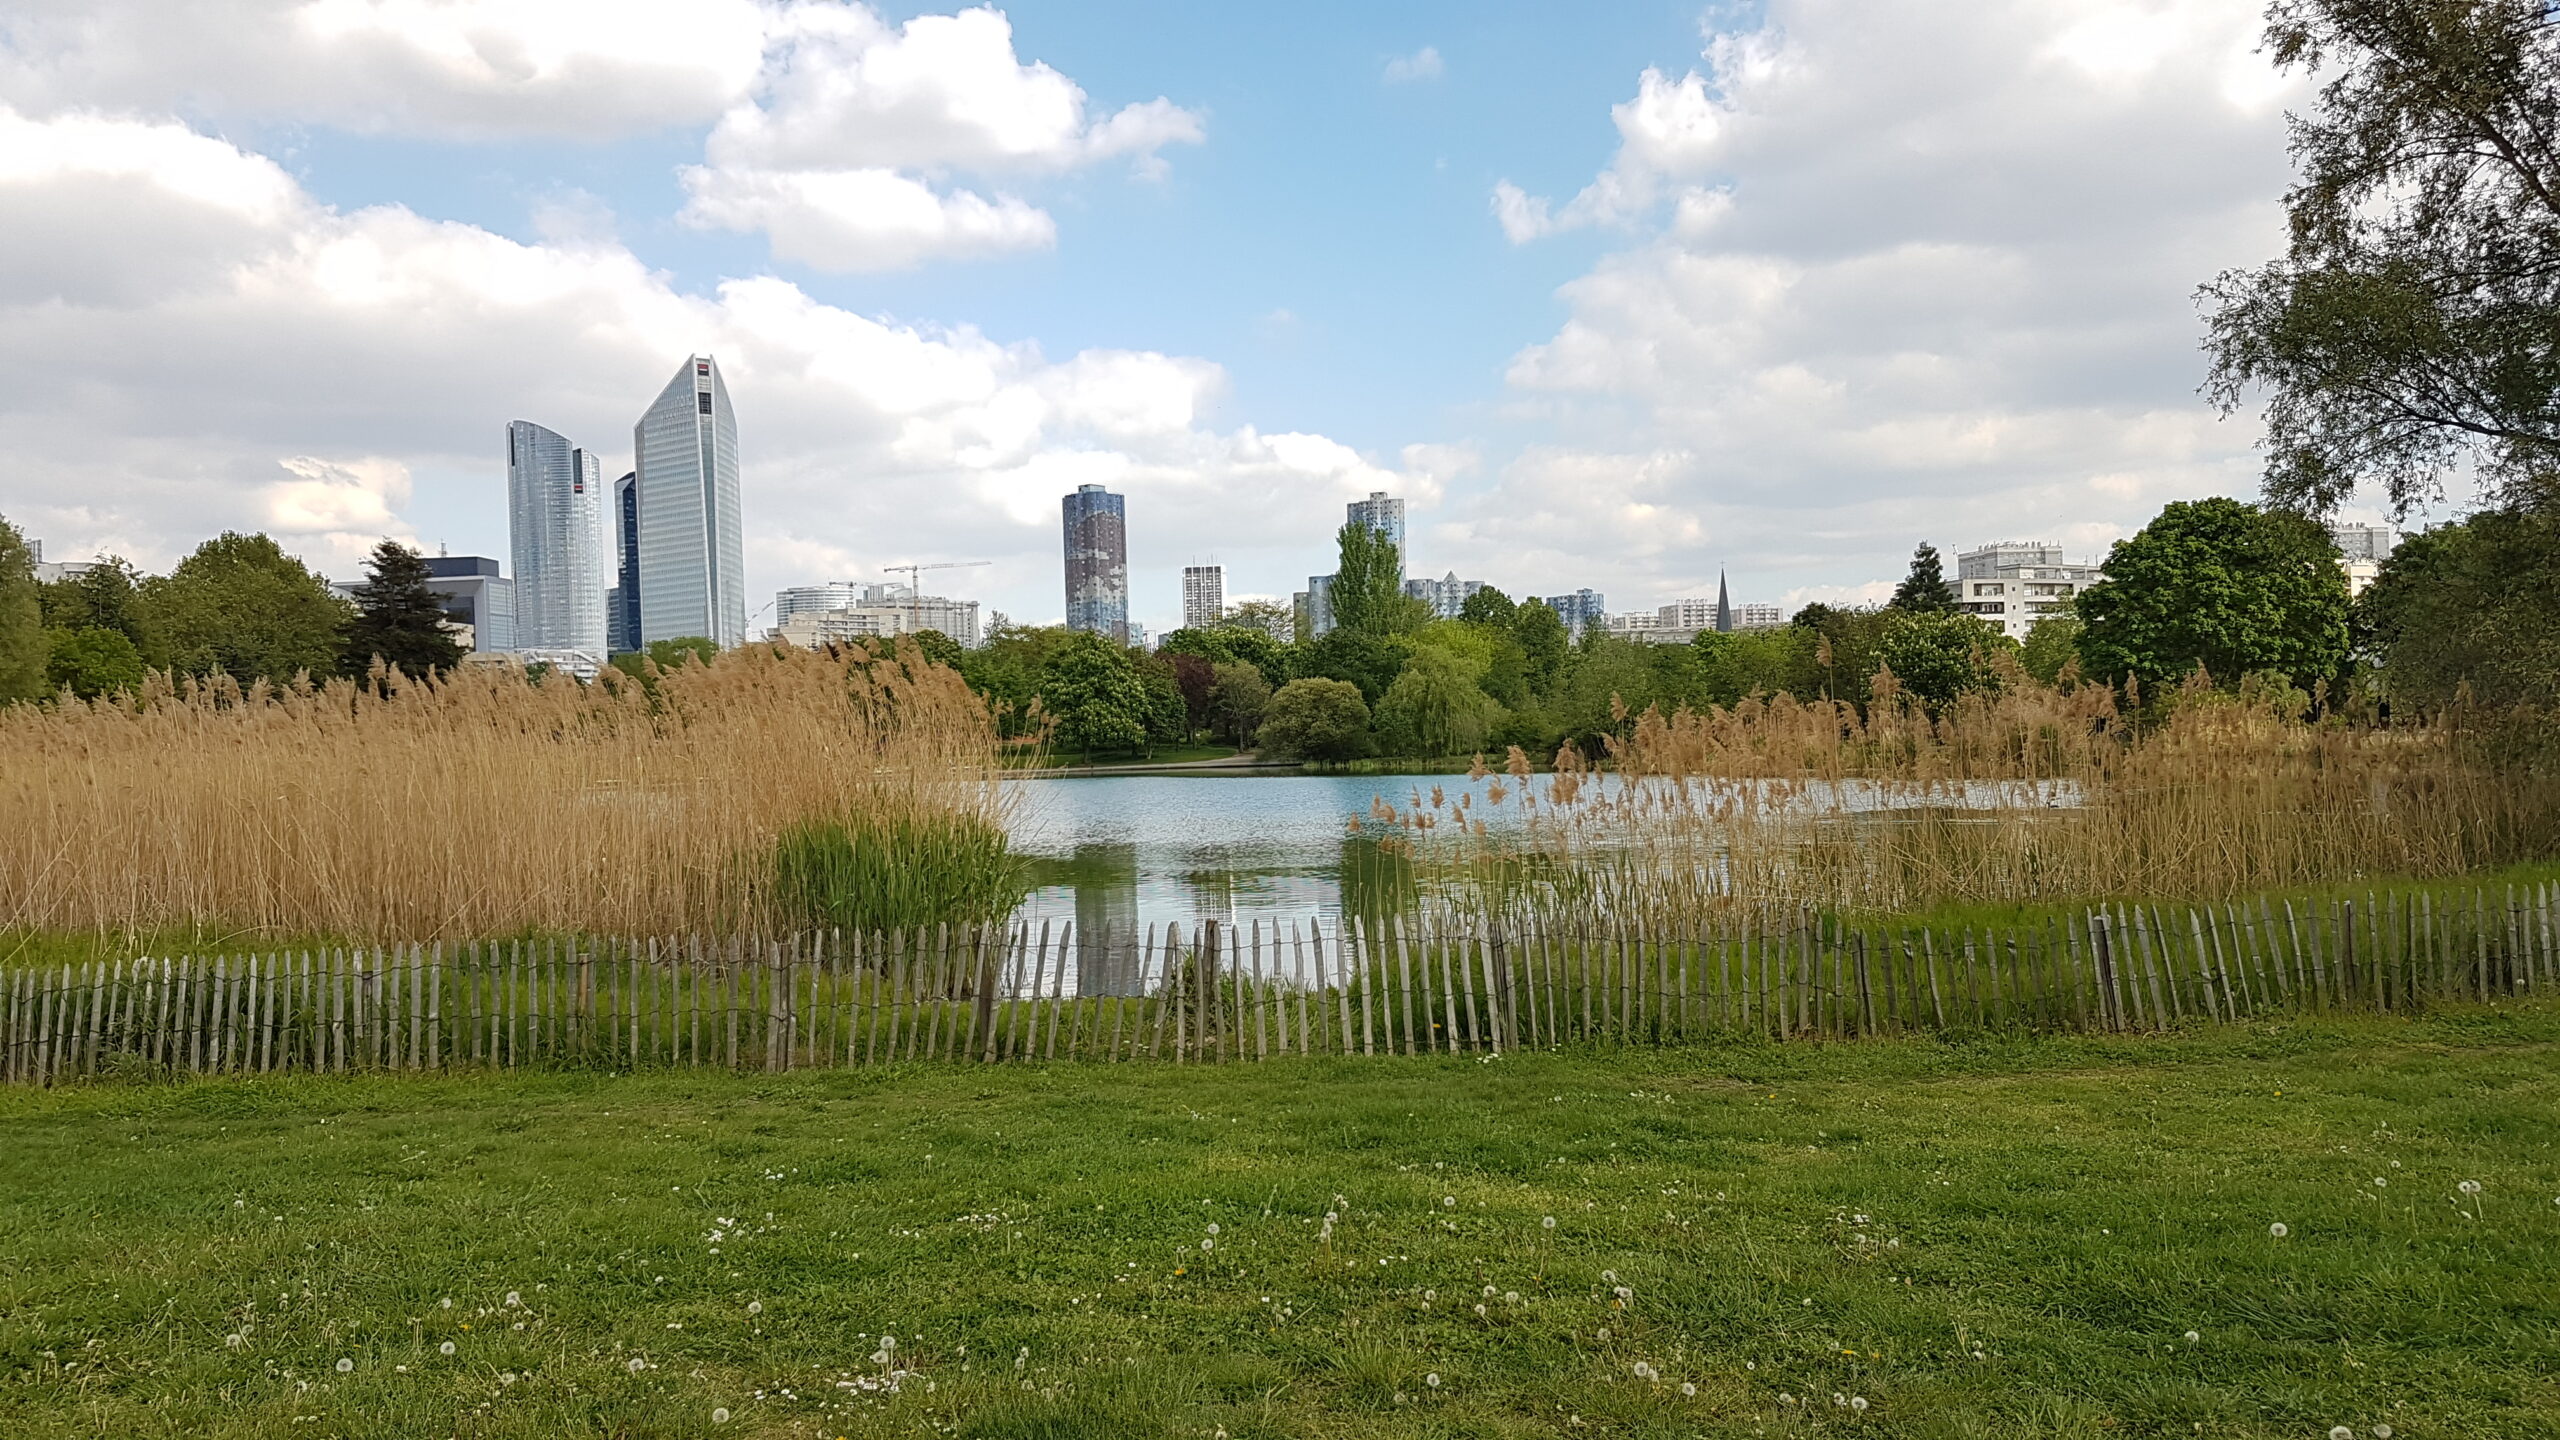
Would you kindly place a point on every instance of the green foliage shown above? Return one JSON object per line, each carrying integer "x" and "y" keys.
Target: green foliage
{"x": 108, "y": 594}
{"x": 1356, "y": 657}
{"x": 1925, "y": 590}
{"x": 1939, "y": 656}
{"x": 1435, "y": 708}
{"x": 1489, "y": 607}
{"x": 1093, "y": 691}
{"x": 2053, "y": 644}
{"x": 2473, "y": 605}
{"x": 1611, "y": 681}
{"x": 2408, "y": 329}
{"x": 1732, "y": 665}
{"x": 1543, "y": 642}
{"x": 24, "y": 646}
{"x": 2220, "y": 584}
{"x": 1238, "y": 696}
{"x": 871, "y": 873}
{"x": 1006, "y": 671}
{"x": 398, "y": 620}
{"x": 683, "y": 650}
{"x": 241, "y": 606}
{"x": 1848, "y": 646}
{"x": 1227, "y": 643}
{"x": 1168, "y": 709}
{"x": 92, "y": 662}
{"x": 1368, "y": 585}
{"x": 1316, "y": 719}
{"x": 938, "y": 648}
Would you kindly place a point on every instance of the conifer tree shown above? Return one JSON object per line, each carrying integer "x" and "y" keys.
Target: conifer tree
{"x": 1925, "y": 590}
{"x": 398, "y": 618}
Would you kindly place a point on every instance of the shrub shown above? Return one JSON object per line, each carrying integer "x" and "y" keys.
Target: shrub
{"x": 870, "y": 873}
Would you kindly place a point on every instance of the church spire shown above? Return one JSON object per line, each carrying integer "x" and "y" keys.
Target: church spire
{"x": 1724, "y": 607}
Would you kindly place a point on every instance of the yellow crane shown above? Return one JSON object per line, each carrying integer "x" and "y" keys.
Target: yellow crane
{"x": 915, "y": 582}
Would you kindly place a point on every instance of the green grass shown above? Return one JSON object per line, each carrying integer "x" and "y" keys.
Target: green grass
{"x": 1990, "y": 1238}
{"x": 1078, "y": 759}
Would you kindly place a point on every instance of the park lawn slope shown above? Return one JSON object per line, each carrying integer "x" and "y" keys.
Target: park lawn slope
{"x": 2007, "y": 1237}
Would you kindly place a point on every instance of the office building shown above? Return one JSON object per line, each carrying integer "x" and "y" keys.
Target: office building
{"x": 1579, "y": 611}
{"x": 2361, "y": 550}
{"x": 693, "y": 574}
{"x": 1315, "y": 607}
{"x": 48, "y": 571}
{"x": 1097, "y": 545}
{"x": 1384, "y": 514}
{"x": 479, "y": 601}
{"x": 1204, "y": 596}
{"x": 1446, "y": 596}
{"x": 622, "y": 602}
{"x": 556, "y": 535}
{"x": 2012, "y": 584}
{"x": 890, "y": 616}
{"x": 813, "y": 599}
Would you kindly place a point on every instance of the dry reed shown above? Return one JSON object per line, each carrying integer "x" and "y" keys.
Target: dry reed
{"x": 483, "y": 803}
{"x": 2033, "y": 793}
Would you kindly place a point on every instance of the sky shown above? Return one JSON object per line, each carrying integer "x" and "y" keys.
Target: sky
{"x": 1623, "y": 296}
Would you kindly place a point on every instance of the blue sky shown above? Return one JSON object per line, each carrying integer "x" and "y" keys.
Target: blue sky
{"x": 1620, "y": 296}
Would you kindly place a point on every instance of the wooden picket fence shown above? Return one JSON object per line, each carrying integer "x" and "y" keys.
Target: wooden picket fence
{"x": 1227, "y": 993}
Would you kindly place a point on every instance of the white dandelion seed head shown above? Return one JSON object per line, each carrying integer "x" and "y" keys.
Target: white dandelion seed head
{"x": 1609, "y": 1276}
{"x": 2193, "y": 1337}
{"x": 514, "y": 1299}
{"x": 635, "y": 1365}
{"x": 1432, "y": 1379}
{"x": 1331, "y": 1216}
{"x": 1207, "y": 1244}
{"x": 1448, "y": 1202}
{"x": 235, "y": 1339}
{"x": 445, "y": 1304}
{"x": 755, "y": 1307}
{"x": 1644, "y": 1371}
{"x": 2381, "y": 1432}
{"x": 1488, "y": 1292}
{"x": 2341, "y": 1432}
{"x": 1604, "y": 1332}
{"x": 1429, "y": 1295}
{"x": 2379, "y": 1181}
{"x": 1687, "y": 1388}
{"x": 879, "y": 1357}
{"x": 1510, "y": 1297}
{"x": 1213, "y": 1227}
{"x": 720, "y": 1415}
{"x": 1785, "y": 1399}
{"x": 1858, "y": 1403}
{"x": 1550, "y": 1221}
{"x": 1481, "y": 1312}
{"x": 2279, "y": 1230}
{"x": 345, "y": 1364}
{"x": 2469, "y": 1187}
{"x": 1624, "y": 1294}
{"x": 445, "y": 1349}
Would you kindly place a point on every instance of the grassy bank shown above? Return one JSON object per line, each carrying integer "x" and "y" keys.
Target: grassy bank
{"x": 2010, "y": 1238}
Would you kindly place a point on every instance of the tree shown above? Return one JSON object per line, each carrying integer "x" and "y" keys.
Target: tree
{"x": 1368, "y": 585}
{"x": 1091, "y": 688}
{"x": 2053, "y": 645}
{"x": 241, "y": 606}
{"x": 1316, "y": 719}
{"x": 1192, "y": 676}
{"x": 398, "y": 620}
{"x": 2408, "y": 327}
{"x": 1238, "y": 695}
{"x": 1357, "y": 657}
{"x": 1488, "y": 607}
{"x": 1434, "y": 707}
{"x": 1006, "y": 670}
{"x": 1925, "y": 590}
{"x": 24, "y": 647}
{"x": 105, "y": 594}
{"x": 91, "y": 662}
{"x": 1733, "y": 665}
{"x": 1269, "y": 618}
{"x": 1940, "y": 656}
{"x": 938, "y": 648}
{"x": 2221, "y": 584}
{"x": 1541, "y": 636}
{"x": 683, "y": 650}
{"x": 2470, "y": 606}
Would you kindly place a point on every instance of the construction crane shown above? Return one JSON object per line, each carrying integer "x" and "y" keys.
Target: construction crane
{"x": 915, "y": 583}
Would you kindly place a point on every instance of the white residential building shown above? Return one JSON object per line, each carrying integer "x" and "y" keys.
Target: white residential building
{"x": 2362, "y": 549}
{"x": 811, "y": 599}
{"x": 1446, "y": 596}
{"x": 1204, "y": 596}
{"x": 2013, "y": 584}
{"x": 884, "y": 610}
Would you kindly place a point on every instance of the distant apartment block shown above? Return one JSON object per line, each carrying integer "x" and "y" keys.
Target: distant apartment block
{"x": 880, "y": 611}
{"x": 2361, "y": 550}
{"x": 1579, "y": 611}
{"x": 2013, "y": 584}
{"x": 1204, "y": 596}
{"x": 813, "y": 599}
{"x": 1095, "y": 522}
{"x": 1758, "y": 615}
{"x": 479, "y": 602}
{"x": 1314, "y": 607}
{"x": 1383, "y": 513}
{"x": 1446, "y": 596}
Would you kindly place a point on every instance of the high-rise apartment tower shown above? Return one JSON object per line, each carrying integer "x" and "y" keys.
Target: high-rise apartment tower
{"x": 1383, "y": 513}
{"x": 555, "y": 525}
{"x": 1097, "y": 538}
{"x": 692, "y": 573}
{"x": 1204, "y": 596}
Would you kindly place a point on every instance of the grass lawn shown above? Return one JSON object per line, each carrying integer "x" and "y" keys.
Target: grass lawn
{"x": 1991, "y": 1238}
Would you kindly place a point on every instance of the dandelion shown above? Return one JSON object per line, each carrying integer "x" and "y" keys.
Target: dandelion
{"x": 1481, "y": 1312}
{"x": 720, "y": 1416}
{"x": 445, "y": 1304}
{"x": 2379, "y": 1182}
{"x": 1208, "y": 1244}
{"x": 1430, "y": 1295}
{"x": 1785, "y": 1399}
{"x": 1624, "y": 1294}
{"x": 1550, "y": 1221}
{"x": 1510, "y": 1297}
{"x": 235, "y": 1339}
{"x": 2341, "y": 1432}
{"x": 755, "y": 1307}
{"x": 2193, "y": 1337}
{"x": 2469, "y": 1187}
{"x": 1213, "y": 1227}
{"x": 636, "y": 1365}
{"x": 1609, "y": 1276}
{"x": 2381, "y": 1432}
{"x": 445, "y": 1349}
{"x": 1858, "y": 1403}
{"x": 1488, "y": 1292}
{"x": 2278, "y": 1230}
{"x": 1688, "y": 1388}
{"x": 345, "y": 1364}
{"x": 1646, "y": 1372}
{"x": 1448, "y": 1202}
{"x": 514, "y": 1299}
{"x": 1604, "y": 1334}
{"x": 1432, "y": 1379}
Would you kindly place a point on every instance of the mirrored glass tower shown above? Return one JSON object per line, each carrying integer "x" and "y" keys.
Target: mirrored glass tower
{"x": 692, "y": 577}
{"x": 555, "y": 524}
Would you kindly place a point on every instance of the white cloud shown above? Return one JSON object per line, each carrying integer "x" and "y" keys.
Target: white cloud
{"x": 1893, "y": 274}
{"x": 837, "y": 154}
{"x": 336, "y": 376}
{"x": 1422, "y": 64}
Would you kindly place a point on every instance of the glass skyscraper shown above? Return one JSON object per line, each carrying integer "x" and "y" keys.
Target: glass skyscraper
{"x": 555, "y": 523}
{"x": 1097, "y": 562}
{"x": 622, "y": 602}
{"x": 692, "y": 571}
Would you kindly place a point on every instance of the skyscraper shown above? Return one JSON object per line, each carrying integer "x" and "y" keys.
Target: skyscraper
{"x": 693, "y": 573}
{"x": 1383, "y": 513}
{"x": 1580, "y": 610}
{"x": 1204, "y": 596}
{"x": 555, "y": 524}
{"x": 1097, "y": 539}
{"x": 622, "y": 602}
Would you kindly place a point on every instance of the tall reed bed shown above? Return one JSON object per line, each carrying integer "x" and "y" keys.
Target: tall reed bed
{"x": 2033, "y": 793}
{"x": 483, "y": 803}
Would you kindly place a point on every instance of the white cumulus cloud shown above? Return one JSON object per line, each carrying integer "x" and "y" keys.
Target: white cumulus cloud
{"x": 1422, "y": 64}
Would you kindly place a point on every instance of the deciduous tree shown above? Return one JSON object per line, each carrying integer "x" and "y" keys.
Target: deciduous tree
{"x": 24, "y": 646}
{"x": 2221, "y": 584}
{"x": 1316, "y": 719}
{"x": 242, "y": 606}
